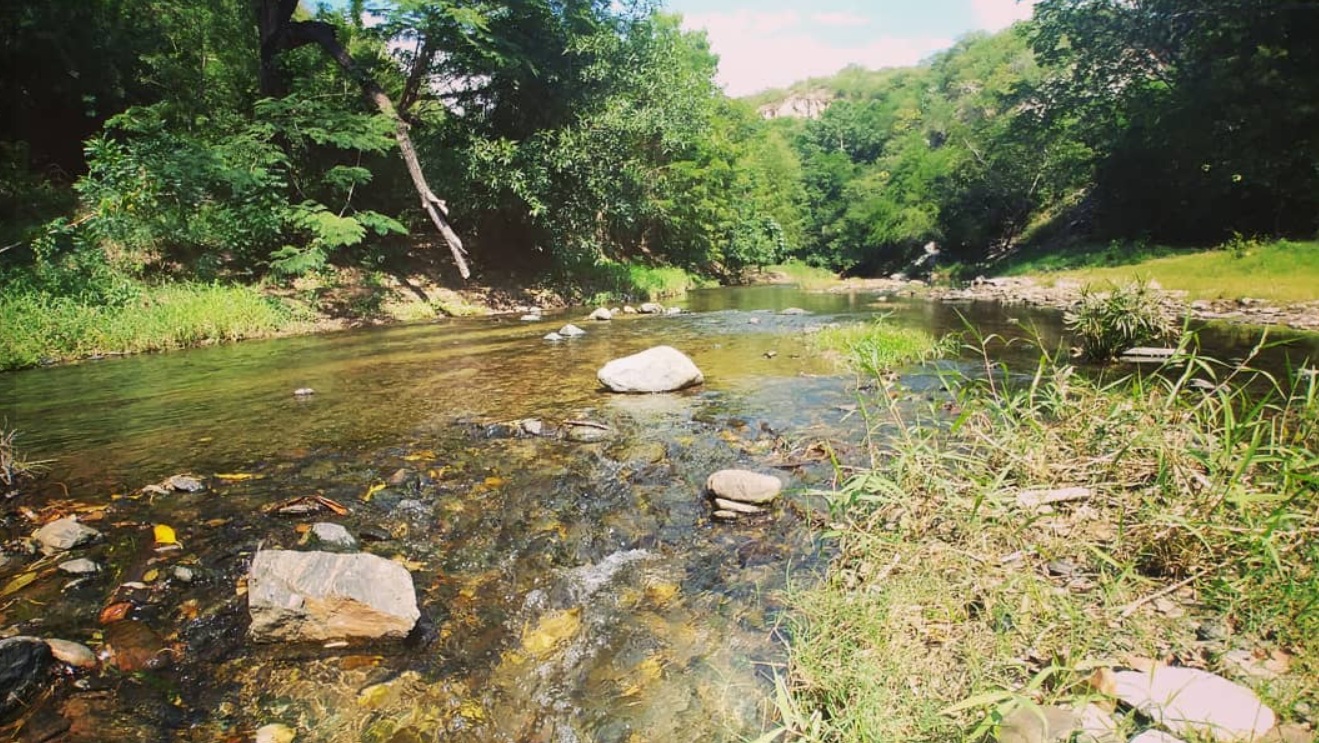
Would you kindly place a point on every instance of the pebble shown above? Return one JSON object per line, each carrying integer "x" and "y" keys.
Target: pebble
{"x": 73, "y": 653}
{"x": 80, "y": 566}
{"x": 304, "y": 392}
{"x": 275, "y": 733}
{"x": 183, "y": 574}
{"x": 333, "y": 535}
{"x": 64, "y": 534}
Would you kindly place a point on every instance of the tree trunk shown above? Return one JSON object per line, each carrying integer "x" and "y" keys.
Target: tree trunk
{"x": 279, "y": 32}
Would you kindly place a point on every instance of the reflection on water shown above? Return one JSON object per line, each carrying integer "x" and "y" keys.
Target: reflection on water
{"x": 572, "y": 591}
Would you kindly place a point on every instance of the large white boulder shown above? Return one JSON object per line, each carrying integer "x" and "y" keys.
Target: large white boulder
{"x": 744, "y": 486}
{"x": 658, "y": 369}
{"x": 317, "y": 596}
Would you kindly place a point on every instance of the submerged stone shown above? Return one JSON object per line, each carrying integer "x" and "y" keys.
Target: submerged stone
{"x": 24, "y": 663}
{"x": 64, "y": 534}
{"x": 601, "y": 314}
{"x": 333, "y": 535}
{"x": 73, "y": 653}
{"x": 316, "y": 596}
{"x": 658, "y": 369}
{"x": 571, "y": 331}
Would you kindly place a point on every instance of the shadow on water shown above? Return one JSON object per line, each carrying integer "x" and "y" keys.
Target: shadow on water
{"x": 571, "y": 590}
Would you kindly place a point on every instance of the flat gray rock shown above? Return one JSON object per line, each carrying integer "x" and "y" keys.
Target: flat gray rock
{"x": 333, "y": 535}
{"x": 80, "y": 566}
{"x": 1188, "y": 701}
{"x": 317, "y": 596}
{"x": 658, "y": 369}
{"x": 601, "y": 314}
{"x": 74, "y": 653}
{"x": 1036, "y": 724}
{"x": 64, "y": 534}
{"x": 571, "y": 331}
{"x": 743, "y": 486}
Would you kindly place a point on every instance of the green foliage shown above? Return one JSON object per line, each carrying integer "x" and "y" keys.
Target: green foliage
{"x": 941, "y": 567}
{"x": 1121, "y": 317}
{"x": 880, "y": 347}
{"x": 41, "y": 328}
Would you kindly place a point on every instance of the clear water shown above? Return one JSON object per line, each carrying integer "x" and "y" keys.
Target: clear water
{"x": 572, "y": 591}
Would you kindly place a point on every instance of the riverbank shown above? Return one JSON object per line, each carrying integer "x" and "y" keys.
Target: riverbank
{"x": 1062, "y": 541}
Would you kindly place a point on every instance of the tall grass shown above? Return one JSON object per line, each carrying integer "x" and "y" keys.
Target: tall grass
{"x": 36, "y": 327}
{"x": 611, "y": 282}
{"x": 878, "y": 347}
{"x": 954, "y": 597}
{"x": 14, "y": 468}
{"x": 806, "y": 276}
{"x": 1111, "y": 321}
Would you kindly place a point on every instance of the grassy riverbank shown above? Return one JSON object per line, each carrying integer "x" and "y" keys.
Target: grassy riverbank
{"x": 1188, "y": 537}
{"x": 1281, "y": 271}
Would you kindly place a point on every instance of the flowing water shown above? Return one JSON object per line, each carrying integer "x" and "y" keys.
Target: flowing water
{"x": 571, "y": 590}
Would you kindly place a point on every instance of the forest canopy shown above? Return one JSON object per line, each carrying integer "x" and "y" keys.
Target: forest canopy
{"x": 246, "y": 139}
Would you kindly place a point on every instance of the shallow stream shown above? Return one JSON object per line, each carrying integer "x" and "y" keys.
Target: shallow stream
{"x": 571, "y": 590}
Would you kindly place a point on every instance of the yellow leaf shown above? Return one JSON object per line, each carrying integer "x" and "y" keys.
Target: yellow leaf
{"x": 472, "y": 710}
{"x": 150, "y": 576}
{"x": 422, "y": 456}
{"x": 237, "y": 476}
{"x": 18, "y": 583}
{"x": 373, "y": 490}
{"x": 494, "y": 482}
{"x": 552, "y": 630}
{"x": 165, "y": 535}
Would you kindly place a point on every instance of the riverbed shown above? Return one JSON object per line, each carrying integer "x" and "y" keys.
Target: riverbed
{"x": 570, "y": 590}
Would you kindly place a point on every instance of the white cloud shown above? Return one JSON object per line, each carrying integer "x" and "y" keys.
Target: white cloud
{"x": 840, "y": 19}
{"x": 760, "y": 50}
{"x": 993, "y": 15}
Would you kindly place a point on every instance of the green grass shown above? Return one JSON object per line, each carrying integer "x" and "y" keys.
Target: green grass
{"x": 1281, "y": 271}
{"x": 41, "y": 328}
{"x": 943, "y": 608}
{"x": 611, "y": 282}
{"x": 877, "y": 347}
{"x": 805, "y": 276}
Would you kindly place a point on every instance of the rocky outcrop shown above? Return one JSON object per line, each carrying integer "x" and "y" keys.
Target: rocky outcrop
{"x": 317, "y": 596}
{"x": 798, "y": 106}
{"x": 659, "y": 369}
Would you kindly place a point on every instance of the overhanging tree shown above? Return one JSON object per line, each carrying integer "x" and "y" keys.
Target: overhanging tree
{"x": 280, "y": 32}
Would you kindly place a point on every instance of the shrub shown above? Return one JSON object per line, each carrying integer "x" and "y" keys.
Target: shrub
{"x": 1108, "y": 323}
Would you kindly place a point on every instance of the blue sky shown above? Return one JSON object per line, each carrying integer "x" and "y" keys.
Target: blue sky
{"x": 772, "y": 43}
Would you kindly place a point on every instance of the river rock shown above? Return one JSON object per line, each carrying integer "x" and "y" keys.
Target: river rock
{"x": 658, "y": 369}
{"x": 80, "y": 566}
{"x": 73, "y": 653}
{"x": 304, "y": 392}
{"x": 744, "y": 486}
{"x": 184, "y": 574}
{"x": 553, "y": 337}
{"x": 794, "y": 311}
{"x": 1035, "y": 724}
{"x": 533, "y": 317}
{"x": 317, "y": 596}
{"x": 651, "y": 308}
{"x": 64, "y": 534}
{"x": 275, "y": 733}
{"x": 629, "y": 309}
{"x": 571, "y": 331}
{"x": 1188, "y": 701}
{"x": 24, "y": 663}
{"x": 585, "y": 434}
{"x": 1156, "y": 736}
{"x": 135, "y": 646}
{"x": 333, "y": 535}
{"x": 722, "y": 504}
{"x": 601, "y": 314}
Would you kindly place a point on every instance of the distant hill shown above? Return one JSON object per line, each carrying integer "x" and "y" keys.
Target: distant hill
{"x": 807, "y": 99}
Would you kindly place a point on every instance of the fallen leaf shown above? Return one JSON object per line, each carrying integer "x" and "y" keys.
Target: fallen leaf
{"x": 421, "y": 456}
{"x": 237, "y": 476}
{"x": 115, "y": 612}
{"x": 338, "y": 508}
{"x": 190, "y": 609}
{"x": 165, "y": 534}
{"x": 150, "y": 576}
{"x": 372, "y": 490}
{"x": 18, "y": 583}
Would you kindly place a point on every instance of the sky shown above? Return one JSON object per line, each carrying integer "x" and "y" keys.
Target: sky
{"x": 773, "y": 43}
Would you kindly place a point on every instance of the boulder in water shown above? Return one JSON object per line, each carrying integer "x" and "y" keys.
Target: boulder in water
{"x": 317, "y": 596}
{"x": 601, "y": 313}
{"x": 743, "y": 486}
{"x": 64, "y": 534}
{"x": 658, "y": 369}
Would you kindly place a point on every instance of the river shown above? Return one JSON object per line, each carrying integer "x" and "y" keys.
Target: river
{"x": 571, "y": 591}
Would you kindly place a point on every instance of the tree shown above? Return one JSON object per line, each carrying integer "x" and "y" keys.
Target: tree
{"x": 280, "y": 32}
